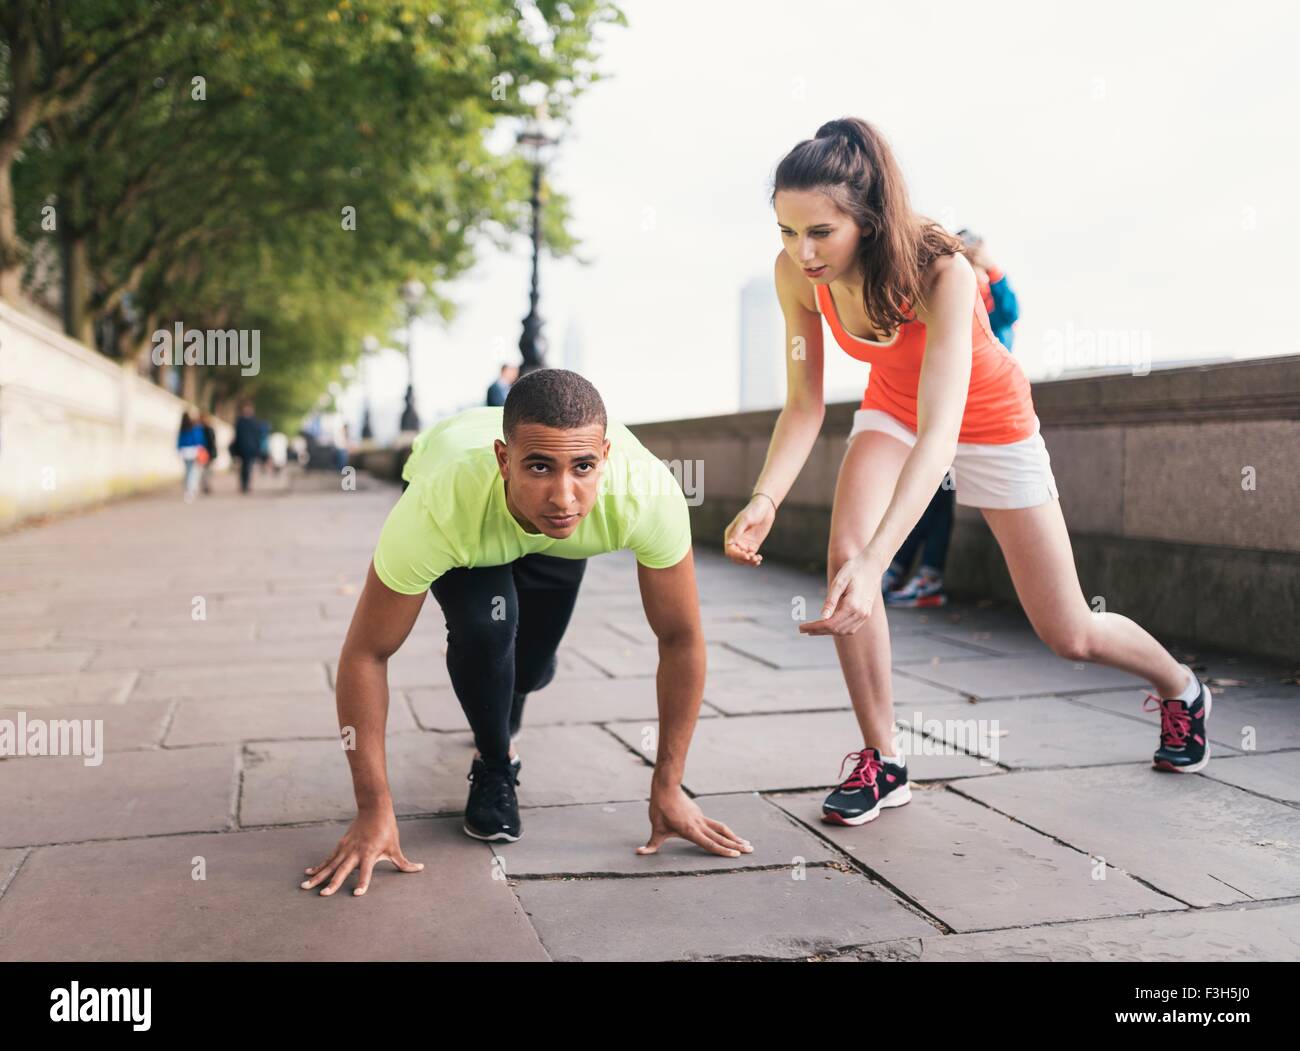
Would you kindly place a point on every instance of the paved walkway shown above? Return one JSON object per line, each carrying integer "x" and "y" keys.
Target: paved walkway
{"x": 222, "y": 777}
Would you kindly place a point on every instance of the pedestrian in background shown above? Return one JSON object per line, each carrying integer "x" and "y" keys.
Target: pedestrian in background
{"x": 496, "y": 394}
{"x": 933, "y": 531}
{"x": 247, "y": 444}
{"x": 189, "y": 442}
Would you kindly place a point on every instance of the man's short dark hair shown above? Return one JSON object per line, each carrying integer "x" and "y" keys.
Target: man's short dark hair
{"x": 554, "y": 398}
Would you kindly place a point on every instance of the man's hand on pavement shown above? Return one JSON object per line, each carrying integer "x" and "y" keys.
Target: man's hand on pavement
{"x": 372, "y": 837}
{"x": 674, "y": 813}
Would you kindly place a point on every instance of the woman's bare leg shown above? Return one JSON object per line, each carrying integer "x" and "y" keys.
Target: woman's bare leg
{"x": 863, "y": 490}
{"x": 1036, "y": 546}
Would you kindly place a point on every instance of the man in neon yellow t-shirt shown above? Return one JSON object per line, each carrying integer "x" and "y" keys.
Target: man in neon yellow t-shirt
{"x": 500, "y": 531}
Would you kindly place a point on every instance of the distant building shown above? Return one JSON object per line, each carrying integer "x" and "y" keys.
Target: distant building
{"x": 573, "y": 349}
{"x": 762, "y": 346}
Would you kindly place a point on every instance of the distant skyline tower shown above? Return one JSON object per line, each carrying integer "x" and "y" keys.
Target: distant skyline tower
{"x": 762, "y": 339}
{"x": 573, "y": 348}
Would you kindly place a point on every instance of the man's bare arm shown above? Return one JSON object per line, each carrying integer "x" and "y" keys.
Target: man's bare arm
{"x": 380, "y": 624}
{"x": 672, "y": 608}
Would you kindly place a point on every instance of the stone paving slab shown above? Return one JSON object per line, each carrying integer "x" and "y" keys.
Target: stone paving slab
{"x": 42, "y": 662}
{"x": 819, "y": 651}
{"x": 728, "y": 629}
{"x": 1243, "y": 934}
{"x": 278, "y": 716}
{"x": 1269, "y": 714}
{"x": 1000, "y": 642}
{"x": 78, "y": 687}
{"x": 26, "y": 639}
{"x": 601, "y": 839}
{"x": 630, "y": 659}
{"x": 560, "y": 702}
{"x": 10, "y": 861}
{"x": 1033, "y": 732}
{"x": 278, "y": 631}
{"x": 712, "y": 916}
{"x": 70, "y": 623}
{"x": 61, "y": 800}
{"x": 294, "y": 781}
{"x": 138, "y": 900}
{"x": 414, "y": 668}
{"x": 763, "y": 753}
{"x": 191, "y": 652}
{"x": 215, "y": 634}
{"x": 1201, "y": 841}
{"x": 812, "y": 689}
{"x": 98, "y": 586}
{"x": 975, "y": 869}
{"x": 996, "y": 677}
{"x": 1272, "y": 774}
{"x": 222, "y": 680}
{"x": 126, "y": 727}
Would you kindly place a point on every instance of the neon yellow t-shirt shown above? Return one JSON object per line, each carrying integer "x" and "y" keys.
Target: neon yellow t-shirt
{"x": 454, "y": 511}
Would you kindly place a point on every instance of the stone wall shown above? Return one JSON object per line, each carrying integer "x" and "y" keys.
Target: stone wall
{"x": 1181, "y": 489}
{"x": 76, "y": 427}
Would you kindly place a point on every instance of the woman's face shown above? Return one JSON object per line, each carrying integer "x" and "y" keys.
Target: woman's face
{"x": 817, "y": 235}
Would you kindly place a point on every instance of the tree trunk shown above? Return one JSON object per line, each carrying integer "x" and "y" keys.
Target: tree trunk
{"x": 77, "y": 321}
{"x": 14, "y": 129}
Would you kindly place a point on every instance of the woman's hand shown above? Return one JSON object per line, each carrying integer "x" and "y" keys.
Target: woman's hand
{"x": 851, "y": 597}
{"x": 748, "y": 530}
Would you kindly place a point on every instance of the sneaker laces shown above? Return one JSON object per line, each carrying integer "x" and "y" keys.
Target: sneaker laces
{"x": 864, "y": 770}
{"x": 497, "y": 785}
{"x": 1175, "y": 720}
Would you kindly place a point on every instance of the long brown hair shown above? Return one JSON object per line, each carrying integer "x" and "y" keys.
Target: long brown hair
{"x": 850, "y": 162}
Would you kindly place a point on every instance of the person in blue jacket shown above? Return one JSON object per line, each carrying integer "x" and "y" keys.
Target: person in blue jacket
{"x": 999, "y": 297}
{"x": 192, "y": 447}
{"x": 933, "y": 530}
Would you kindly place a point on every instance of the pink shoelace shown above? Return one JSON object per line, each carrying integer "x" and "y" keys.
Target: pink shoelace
{"x": 864, "y": 772}
{"x": 1175, "y": 720}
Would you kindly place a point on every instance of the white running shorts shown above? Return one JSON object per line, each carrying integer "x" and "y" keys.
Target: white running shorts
{"x": 1000, "y": 476}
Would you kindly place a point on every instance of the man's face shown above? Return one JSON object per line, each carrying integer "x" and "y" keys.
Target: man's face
{"x": 552, "y": 475}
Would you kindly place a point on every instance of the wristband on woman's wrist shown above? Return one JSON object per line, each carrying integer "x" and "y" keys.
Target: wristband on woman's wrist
{"x": 765, "y": 496}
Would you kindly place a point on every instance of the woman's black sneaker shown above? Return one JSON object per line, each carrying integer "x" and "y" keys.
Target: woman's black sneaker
{"x": 871, "y": 787}
{"x": 492, "y": 811}
{"x": 1184, "y": 743}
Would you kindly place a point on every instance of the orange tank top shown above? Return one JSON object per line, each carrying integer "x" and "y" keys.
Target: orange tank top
{"x": 999, "y": 408}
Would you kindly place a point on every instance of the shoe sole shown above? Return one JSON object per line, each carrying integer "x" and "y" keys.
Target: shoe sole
{"x": 898, "y": 798}
{"x": 495, "y": 835}
{"x": 928, "y": 602}
{"x": 1164, "y": 764}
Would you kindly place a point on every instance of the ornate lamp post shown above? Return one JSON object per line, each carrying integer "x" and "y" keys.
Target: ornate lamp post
{"x": 369, "y": 346}
{"x": 413, "y": 295}
{"x": 537, "y": 139}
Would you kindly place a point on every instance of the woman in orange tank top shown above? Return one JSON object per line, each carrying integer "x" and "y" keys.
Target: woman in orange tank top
{"x": 897, "y": 293}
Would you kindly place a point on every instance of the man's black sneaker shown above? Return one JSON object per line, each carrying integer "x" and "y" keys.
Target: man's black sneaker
{"x": 871, "y": 787}
{"x": 492, "y": 811}
{"x": 1184, "y": 743}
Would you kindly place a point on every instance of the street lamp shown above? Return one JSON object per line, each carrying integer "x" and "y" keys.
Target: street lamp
{"x": 538, "y": 138}
{"x": 412, "y": 294}
{"x": 369, "y": 345}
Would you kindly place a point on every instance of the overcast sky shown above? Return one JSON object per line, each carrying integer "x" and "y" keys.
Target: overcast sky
{"x": 1133, "y": 167}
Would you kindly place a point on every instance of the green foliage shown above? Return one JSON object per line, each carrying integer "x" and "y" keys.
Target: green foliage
{"x": 227, "y": 211}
